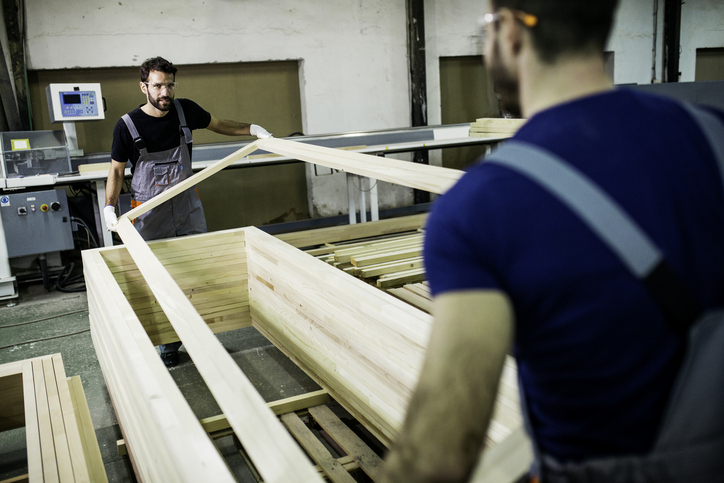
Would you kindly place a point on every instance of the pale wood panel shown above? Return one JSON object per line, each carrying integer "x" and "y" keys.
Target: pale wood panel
{"x": 94, "y": 460}
{"x": 213, "y": 277}
{"x": 32, "y": 425}
{"x": 419, "y": 176}
{"x": 316, "y": 450}
{"x": 364, "y": 346}
{"x": 167, "y": 441}
{"x": 275, "y": 455}
{"x": 335, "y": 234}
{"x": 60, "y": 439}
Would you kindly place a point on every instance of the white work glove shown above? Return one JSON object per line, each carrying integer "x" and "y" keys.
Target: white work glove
{"x": 259, "y": 132}
{"x": 109, "y": 213}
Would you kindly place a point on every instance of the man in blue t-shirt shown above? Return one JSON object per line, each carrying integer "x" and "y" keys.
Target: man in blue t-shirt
{"x": 512, "y": 268}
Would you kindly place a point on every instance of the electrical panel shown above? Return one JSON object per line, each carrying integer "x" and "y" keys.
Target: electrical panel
{"x": 36, "y": 222}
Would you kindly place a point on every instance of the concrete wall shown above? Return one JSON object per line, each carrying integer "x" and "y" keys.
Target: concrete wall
{"x": 354, "y": 69}
{"x": 353, "y": 74}
{"x": 702, "y": 27}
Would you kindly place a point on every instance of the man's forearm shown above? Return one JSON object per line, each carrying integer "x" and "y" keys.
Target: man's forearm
{"x": 448, "y": 415}
{"x": 114, "y": 184}
{"x": 231, "y": 128}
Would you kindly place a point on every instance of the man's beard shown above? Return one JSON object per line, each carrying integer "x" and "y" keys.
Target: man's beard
{"x": 506, "y": 84}
{"x": 155, "y": 102}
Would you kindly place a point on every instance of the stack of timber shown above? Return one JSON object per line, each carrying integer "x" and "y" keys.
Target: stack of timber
{"x": 60, "y": 438}
{"x": 385, "y": 261}
{"x": 362, "y": 345}
{"x": 490, "y": 127}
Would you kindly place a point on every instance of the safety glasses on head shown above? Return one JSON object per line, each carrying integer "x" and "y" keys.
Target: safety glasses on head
{"x": 527, "y": 19}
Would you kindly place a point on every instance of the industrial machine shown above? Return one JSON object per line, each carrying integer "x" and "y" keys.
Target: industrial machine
{"x": 33, "y": 224}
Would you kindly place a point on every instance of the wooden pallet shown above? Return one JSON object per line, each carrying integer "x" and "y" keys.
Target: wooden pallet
{"x": 60, "y": 438}
{"x": 302, "y": 416}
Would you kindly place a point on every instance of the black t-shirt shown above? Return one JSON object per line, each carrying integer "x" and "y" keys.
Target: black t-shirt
{"x": 159, "y": 133}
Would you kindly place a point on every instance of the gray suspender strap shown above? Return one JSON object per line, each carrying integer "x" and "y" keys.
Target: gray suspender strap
{"x": 182, "y": 119}
{"x": 137, "y": 140}
{"x": 609, "y": 221}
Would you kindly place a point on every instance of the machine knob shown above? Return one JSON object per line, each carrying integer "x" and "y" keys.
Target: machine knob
{"x": 55, "y": 206}
{"x": 43, "y": 207}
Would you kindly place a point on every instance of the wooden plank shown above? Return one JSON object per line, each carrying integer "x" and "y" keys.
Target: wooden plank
{"x": 316, "y": 450}
{"x": 32, "y": 426}
{"x": 401, "y": 278}
{"x": 350, "y": 442}
{"x": 363, "y": 345}
{"x": 89, "y": 441}
{"x": 47, "y": 445}
{"x": 60, "y": 436}
{"x": 295, "y": 403}
{"x": 366, "y": 260}
{"x": 190, "y": 182}
{"x": 271, "y": 448}
{"x": 412, "y": 298}
{"x": 419, "y": 176}
{"x": 508, "y": 461}
{"x": 70, "y": 424}
{"x": 17, "y": 479}
{"x": 334, "y": 234}
{"x": 347, "y": 255}
{"x": 390, "y": 267}
{"x": 166, "y": 440}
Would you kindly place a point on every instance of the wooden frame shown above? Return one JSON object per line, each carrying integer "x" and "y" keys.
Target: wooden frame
{"x": 60, "y": 439}
{"x": 362, "y": 345}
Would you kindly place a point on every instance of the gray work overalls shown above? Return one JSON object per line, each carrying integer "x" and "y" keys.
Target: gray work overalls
{"x": 155, "y": 173}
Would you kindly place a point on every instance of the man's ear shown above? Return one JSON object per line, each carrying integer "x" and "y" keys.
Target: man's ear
{"x": 143, "y": 87}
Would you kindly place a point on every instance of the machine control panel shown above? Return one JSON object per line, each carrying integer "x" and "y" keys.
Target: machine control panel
{"x": 36, "y": 222}
{"x": 74, "y": 102}
{"x": 79, "y": 103}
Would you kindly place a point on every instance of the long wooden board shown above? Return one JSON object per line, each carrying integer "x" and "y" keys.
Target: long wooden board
{"x": 419, "y": 176}
{"x": 274, "y": 452}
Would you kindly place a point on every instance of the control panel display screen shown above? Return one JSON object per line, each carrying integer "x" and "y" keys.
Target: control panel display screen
{"x": 79, "y": 103}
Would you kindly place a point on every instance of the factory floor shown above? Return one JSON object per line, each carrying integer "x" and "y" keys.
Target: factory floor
{"x": 59, "y": 324}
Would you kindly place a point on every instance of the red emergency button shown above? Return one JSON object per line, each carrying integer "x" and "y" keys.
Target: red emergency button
{"x": 44, "y": 208}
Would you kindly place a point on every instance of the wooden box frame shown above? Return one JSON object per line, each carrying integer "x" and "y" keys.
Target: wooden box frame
{"x": 362, "y": 345}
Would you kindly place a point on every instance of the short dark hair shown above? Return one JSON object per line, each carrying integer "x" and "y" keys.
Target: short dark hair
{"x": 566, "y": 26}
{"x": 159, "y": 64}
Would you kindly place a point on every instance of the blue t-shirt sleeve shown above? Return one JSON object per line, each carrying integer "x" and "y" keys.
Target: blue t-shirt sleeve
{"x": 454, "y": 255}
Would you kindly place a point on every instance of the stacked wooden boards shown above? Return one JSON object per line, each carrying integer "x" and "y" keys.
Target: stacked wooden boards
{"x": 363, "y": 346}
{"x": 489, "y": 127}
{"x": 60, "y": 439}
{"x": 387, "y": 261}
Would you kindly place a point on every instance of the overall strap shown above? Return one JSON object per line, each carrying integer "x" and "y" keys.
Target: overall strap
{"x": 182, "y": 119}
{"x": 609, "y": 221}
{"x": 137, "y": 140}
